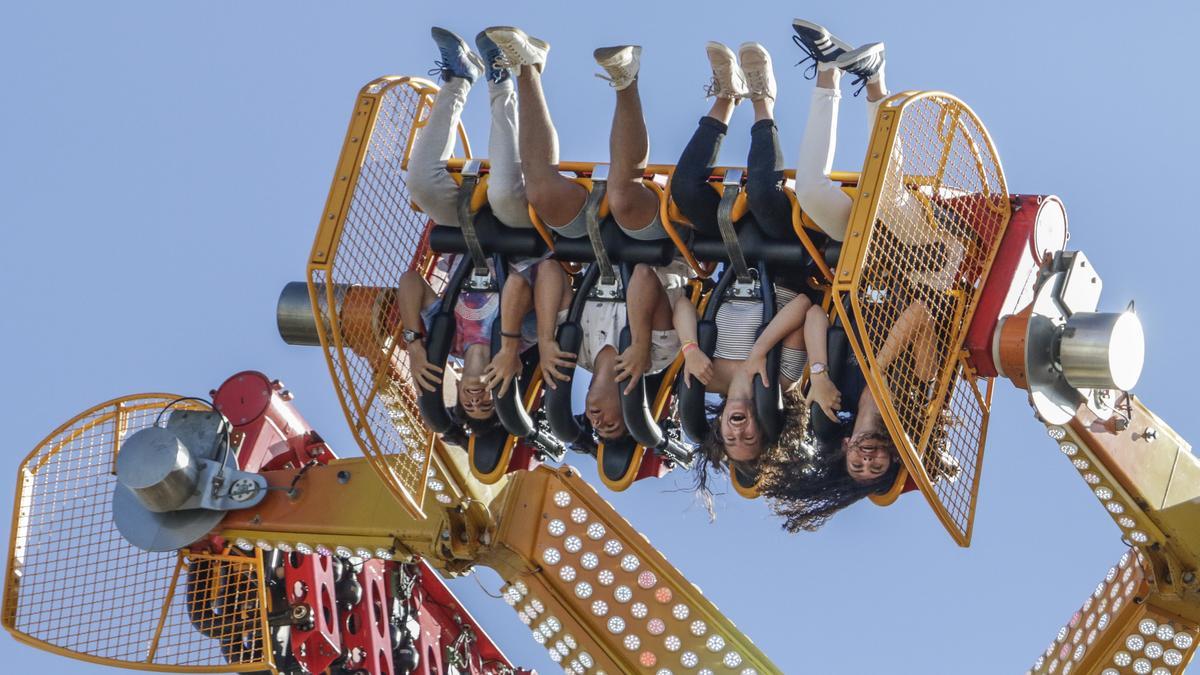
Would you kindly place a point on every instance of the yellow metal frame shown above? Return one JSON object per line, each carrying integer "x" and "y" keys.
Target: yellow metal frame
{"x": 850, "y": 276}
{"x": 531, "y": 395}
{"x": 118, "y": 412}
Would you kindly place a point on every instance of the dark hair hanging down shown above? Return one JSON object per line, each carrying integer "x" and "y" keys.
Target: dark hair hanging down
{"x": 711, "y": 457}
{"x": 807, "y": 482}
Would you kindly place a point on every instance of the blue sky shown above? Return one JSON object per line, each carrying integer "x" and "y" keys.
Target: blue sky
{"x": 165, "y": 164}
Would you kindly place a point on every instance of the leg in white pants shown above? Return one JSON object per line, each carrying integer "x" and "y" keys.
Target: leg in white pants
{"x": 429, "y": 184}
{"x": 506, "y": 183}
{"x": 819, "y": 197}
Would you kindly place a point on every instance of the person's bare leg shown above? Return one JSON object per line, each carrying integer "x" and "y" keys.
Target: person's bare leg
{"x": 876, "y": 89}
{"x": 556, "y": 198}
{"x": 722, "y": 109}
{"x": 764, "y": 109}
{"x": 633, "y": 204}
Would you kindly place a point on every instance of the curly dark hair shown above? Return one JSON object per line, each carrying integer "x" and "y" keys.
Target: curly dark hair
{"x": 710, "y": 457}
{"x": 466, "y": 426}
{"x": 806, "y": 481}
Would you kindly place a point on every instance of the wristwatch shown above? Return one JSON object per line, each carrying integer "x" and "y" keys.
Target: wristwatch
{"x": 411, "y": 336}
{"x": 816, "y": 368}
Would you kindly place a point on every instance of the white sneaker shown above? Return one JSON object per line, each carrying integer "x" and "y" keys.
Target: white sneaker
{"x": 728, "y": 81}
{"x": 756, "y": 64}
{"x": 621, "y": 63}
{"x": 517, "y": 48}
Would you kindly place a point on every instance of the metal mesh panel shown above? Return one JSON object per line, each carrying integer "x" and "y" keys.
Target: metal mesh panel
{"x": 925, "y": 229}
{"x": 369, "y": 238}
{"x": 76, "y": 587}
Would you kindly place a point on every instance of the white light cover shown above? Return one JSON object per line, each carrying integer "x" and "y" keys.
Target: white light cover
{"x": 655, "y": 627}
{"x": 1183, "y": 640}
{"x": 698, "y": 628}
{"x": 1154, "y": 650}
{"x": 1164, "y": 632}
{"x": 538, "y": 637}
{"x": 672, "y": 643}
{"x": 1078, "y": 652}
{"x": 556, "y": 527}
{"x": 304, "y": 548}
{"x": 715, "y": 643}
{"x": 343, "y": 552}
{"x": 623, "y": 594}
{"x": 544, "y": 629}
{"x": 732, "y": 659}
{"x": 511, "y": 596}
{"x": 1091, "y": 478}
{"x": 1141, "y": 667}
{"x": 1138, "y": 537}
{"x": 680, "y": 611}
{"x": 689, "y": 660}
{"x": 537, "y": 606}
{"x": 264, "y": 545}
{"x": 1122, "y": 659}
{"x": 639, "y": 610}
{"x": 589, "y": 561}
{"x": 1172, "y": 657}
{"x": 586, "y": 660}
{"x": 572, "y": 544}
{"x": 1068, "y": 449}
{"x": 244, "y": 544}
{"x": 562, "y": 499}
{"x": 383, "y": 554}
{"x": 1114, "y": 507}
{"x": 1080, "y": 463}
{"x": 554, "y": 624}
{"x": 632, "y": 642}
{"x": 1057, "y": 433}
{"x": 583, "y": 590}
{"x": 1104, "y": 494}
{"x": 551, "y": 556}
{"x": 579, "y": 515}
{"x": 630, "y": 562}
{"x": 442, "y": 498}
{"x": 555, "y": 656}
{"x": 569, "y": 640}
{"x": 436, "y": 485}
{"x": 599, "y": 608}
{"x": 561, "y": 648}
{"x": 595, "y": 531}
{"x": 616, "y": 624}
{"x": 647, "y": 579}
{"x": 1126, "y": 351}
{"x": 1147, "y": 627}
{"x": 1103, "y": 622}
{"x": 613, "y": 547}
{"x": 605, "y": 577}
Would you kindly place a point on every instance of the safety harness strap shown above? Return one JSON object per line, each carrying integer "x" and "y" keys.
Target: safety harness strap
{"x": 737, "y": 258}
{"x": 591, "y": 214}
{"x": 466, "y": 192}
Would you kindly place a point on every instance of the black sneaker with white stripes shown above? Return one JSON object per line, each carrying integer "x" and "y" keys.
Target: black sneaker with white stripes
{"x": 863, "y": 63}
{"x": 818, "y": 43}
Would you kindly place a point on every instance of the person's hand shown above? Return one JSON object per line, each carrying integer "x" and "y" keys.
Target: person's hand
{"x": 427, "y": 375}
{"x": 823, "y": 392}
{"x": 696, "y": 364}
{"x": 756, "y": 364}
{"x": 632, "y": 364}
{"x": 550, "y": 360}
{"x": 500, "y": 372}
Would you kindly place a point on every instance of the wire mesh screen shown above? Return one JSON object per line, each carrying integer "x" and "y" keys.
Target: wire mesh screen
{"x": 75, "y": 586}
{"x": 928, "y": 223}
{"x": 369, "y": 237}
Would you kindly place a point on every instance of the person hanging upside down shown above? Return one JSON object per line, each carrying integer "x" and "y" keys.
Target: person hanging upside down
{"x": 559, "y": 202}
{"x": 435, "y": 192}
{"x": 740, "y": 355}
{"x": 855, "y": 455}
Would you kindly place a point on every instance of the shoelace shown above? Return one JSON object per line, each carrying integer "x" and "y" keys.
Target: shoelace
{"x": 811, "y": 71}
{"x": 756, "y": 82}
{"x": 713, "y": 87}
{"x": 615, "y": 82}
{"x": 440, "y": 68}
{"x": 499, "y": 72}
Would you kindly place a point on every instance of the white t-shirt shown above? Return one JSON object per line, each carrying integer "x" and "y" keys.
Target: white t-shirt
{"x": 602, "y": 323}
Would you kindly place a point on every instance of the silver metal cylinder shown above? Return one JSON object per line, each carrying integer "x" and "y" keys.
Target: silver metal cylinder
{"x": 1102, "y": 350}
{"x": 158, "y": 468}
{"x": 294, "y": 316}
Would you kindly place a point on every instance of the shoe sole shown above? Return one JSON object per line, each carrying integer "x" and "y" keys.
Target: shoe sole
{"x": 859, "y": 54}
{"x": 604, "y": 55}
{"x": 801, "y": 23}
{"x": 721, "y": 47}
{"x": 755, "y": 47}
{"x": 438, "y": 31}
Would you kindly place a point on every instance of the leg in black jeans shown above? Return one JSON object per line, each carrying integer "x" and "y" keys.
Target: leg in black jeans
{"x": 764, "y": 184}
{"x": 689, "y": 184}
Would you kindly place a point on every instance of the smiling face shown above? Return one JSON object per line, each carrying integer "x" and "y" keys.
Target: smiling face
{"x": 739, "y": 431}
{"x": 868, "y": 457}
{"x": 475, "y": 399}
{"x": 604, "y": 412}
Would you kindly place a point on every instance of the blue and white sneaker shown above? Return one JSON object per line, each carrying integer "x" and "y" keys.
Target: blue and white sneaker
{"x": 864, "y": 63}
{"x": 457, "y": 58}
{"x": 490, "y": 52}
{"x": 818, "y": 43}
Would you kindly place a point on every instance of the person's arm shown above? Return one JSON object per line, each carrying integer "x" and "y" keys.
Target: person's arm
{"x": 415, "y": 295}
{"x": 821, "y": 389}
{"x": 551, "y": 294}
{"x": 696, "y": 363}
{"x": 516, "y": 299}
{"x": 914, "y": 327}
{"x": 789, "y": 320}
{"x": 644, "y": 299}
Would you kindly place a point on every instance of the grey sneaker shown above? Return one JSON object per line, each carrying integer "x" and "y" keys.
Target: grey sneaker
{"x": 760, "y": 76}
{"x": 728, "y": 81}
{"x": 818, "y": 43}
{"x": 621, "y": 63}
{"x": 864, "y": 63}
{"x": 517, "y": 48}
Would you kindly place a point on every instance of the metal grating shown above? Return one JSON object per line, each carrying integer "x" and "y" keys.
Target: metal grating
{"x": 369, "y": 236}
{"x": 932, "y": 209}
{"x": 77, "y": 588}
